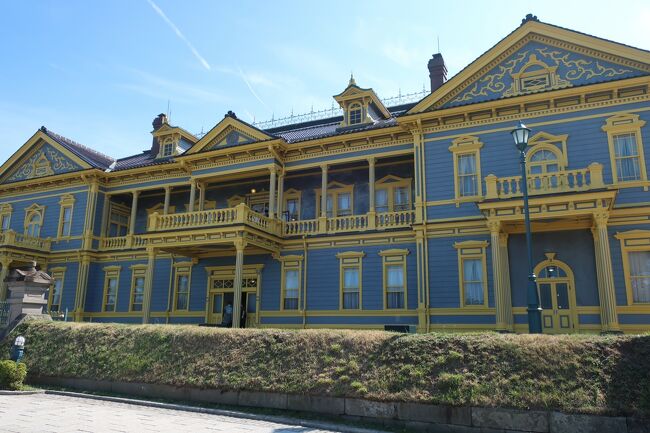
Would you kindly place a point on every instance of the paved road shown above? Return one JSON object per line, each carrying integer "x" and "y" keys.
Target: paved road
{"x": 54, "y": 413}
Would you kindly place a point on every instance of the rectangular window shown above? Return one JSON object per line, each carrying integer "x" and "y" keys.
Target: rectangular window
{"x": 6, "y": 219}
{"x": 167, "y": 149}
{"x": 54, "y": 299}
{"x": 355, "y": 116}
{"x": 111, "y": 283}
{"x": 137, "y": 287}
{"x": 182, "y": 289}
{"x": 467, "y": 175}
{"x": 66, "y": 221}
{"x": 291, "y": 289}
{"x": 640, "y": 276}
{"x": 402, "y": 195}
{"x": 626, "y": 154}
{"x": 381, "y": 200}
{"x": 339, "y": 201}
{"x": 395, "y": 287}
{"x": 292, "y": 211}
{"x": 473, "y": 281}
{"x": 392, "y": 194}
{"x": 119, "y": 223}
{"x": 350, "y": 279}
{"x": 344, "y": 204}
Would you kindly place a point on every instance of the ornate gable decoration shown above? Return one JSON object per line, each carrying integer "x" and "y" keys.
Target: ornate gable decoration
{"x": 229, "y": 137}
{"x": 43, "y": 160}
{"x": 537, "y": 57}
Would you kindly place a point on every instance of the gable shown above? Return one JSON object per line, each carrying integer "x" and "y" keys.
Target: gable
{"x": 538, "y": 67}
{"x": 42, "y": 160}
{"x": 230, "y": 137}
{"x": 537, "y": 57}
{"x": 229, "y": 132}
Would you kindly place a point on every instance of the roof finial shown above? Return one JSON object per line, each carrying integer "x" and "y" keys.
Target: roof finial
{"x": 529, "y": 17}
{"x": 352, "y": 82}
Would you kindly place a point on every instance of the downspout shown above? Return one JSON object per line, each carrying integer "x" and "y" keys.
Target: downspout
{"x": 170, "y": 295}
{"x": 304, "y": 298}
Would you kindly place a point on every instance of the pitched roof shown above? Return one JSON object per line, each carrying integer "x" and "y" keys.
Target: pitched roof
{"x": 91, "y": 156}
{"x": 142, "y": 159}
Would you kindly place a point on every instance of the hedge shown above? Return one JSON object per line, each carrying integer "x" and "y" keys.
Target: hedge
{"x": 578, "y": 373}
{"x": 12, "y": 375}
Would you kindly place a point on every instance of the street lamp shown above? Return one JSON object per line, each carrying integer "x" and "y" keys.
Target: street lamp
{"x": 520, "y": 135}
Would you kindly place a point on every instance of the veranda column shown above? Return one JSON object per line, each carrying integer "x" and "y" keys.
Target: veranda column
{"x": 190, "y": 206}
{"x": 82, "y": 286}
{"x": 134, "y": 211}
{"x": 148, "y": 285}
{"x": 272, "y": 181}
{"x": 280, "y": 205}
{"x": 322, "y": 220}
{"x": 371, "y": 193}
{"x": 507, "y": 292}
{"x": 606, "y": 288}
{"x": 168, "y": 192}
{"x": 5, "y": 262}
{"x": 202, "y": 195}
{"x": 105, "y": 215}
{"x": 503, "y": 304}
{"x": 240, "y": 245}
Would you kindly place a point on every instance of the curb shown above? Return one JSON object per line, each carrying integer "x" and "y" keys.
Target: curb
{"x": 5, "y": 392}
{"x": 224, "y": 412}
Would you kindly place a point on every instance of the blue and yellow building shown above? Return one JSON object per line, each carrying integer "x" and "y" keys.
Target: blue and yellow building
{"x": 385, "y": 215}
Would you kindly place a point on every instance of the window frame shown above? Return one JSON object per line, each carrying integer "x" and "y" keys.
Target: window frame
{"x": 137, "y": 272}
{"x": 462, "y": 146}
{"x": 182, "y": 269}
{"x": 292, "y": 194}
{"x": 472, "y": 250}
{"x": 67, "y": 202}
{"x": 57, "y": 274}
{"x": 621, "y": 124}
{"x": 632, "y": 241}
{"x": 6, "y": 211}
{"x": 111, "y": 272}
{"x": 355, "y": 107}
{"x": 291, "y": 263}
{"x": 122, "y": 210}
{"x": 30, "y": 212}
{"x": 391, "y": 183}
{"x": 394, "y": 257}
{"x": 350, "y": 260}
{"x": 335, "y": 189}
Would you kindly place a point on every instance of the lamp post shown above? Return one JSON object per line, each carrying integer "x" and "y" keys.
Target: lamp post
{"x": 520, "y": 135}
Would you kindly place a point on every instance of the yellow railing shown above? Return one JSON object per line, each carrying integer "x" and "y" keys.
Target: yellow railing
{"x": 583, "y": 179}
{"x": 11, "y": 237}
{"x": 351, "y": 223}
{"x": 301, "y": 227}
{"x": 123, "y": 242}
{"x": 389, "y": 220}
{"x": 347, "y": 223}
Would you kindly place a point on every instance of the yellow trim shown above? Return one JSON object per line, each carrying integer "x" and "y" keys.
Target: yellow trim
{"x": 393, "y": 257}
{"x": 111, "y": 272}
{"x": 544, "y": 140}
{"x": 472, "y": 250}
{"x": 137, "y": 271}
{"x": 57, "y": 274}
{"x": 292, "y": 194}
{"x": 182, "y": 269}
{"x": 391, "y": 183}
{"x": 569, "y": 280}
{"x": 67, "y": 202}
{"x": 350, "y": 260}
{"x": 159, "y": 207}
{"x": 5, "y": 215}
{"x": 32, "y": 211}
{"x": 222, "y": 129}
{"x": 626, "y": 123}
{"x": 633, "y": 241}
{"x": 118, "y": 209}
{"x": 290, "y": 263}
{"x": 463, "y": 146}
{"x": 335, "y": 189}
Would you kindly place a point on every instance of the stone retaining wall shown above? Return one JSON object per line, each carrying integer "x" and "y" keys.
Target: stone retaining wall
{"x": 415, "y": 416}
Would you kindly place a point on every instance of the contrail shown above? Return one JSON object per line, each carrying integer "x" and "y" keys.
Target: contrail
{"x": 243, "y": 77}
{"x": 159, "y": 11}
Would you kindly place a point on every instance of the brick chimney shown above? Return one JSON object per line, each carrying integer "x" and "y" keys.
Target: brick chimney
{"x": 158, "y": 121}
{"x": 437, "y": 71}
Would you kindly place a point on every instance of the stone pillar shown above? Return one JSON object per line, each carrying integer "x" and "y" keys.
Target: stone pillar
{"x": 190, "y": 206}
{"x": 323, "y": 197}
{"x": 5, "y": 262}
{"x": 280, "y": 205}
{"x": 134, "y": 211}
{"x": 606, "y": 288}
{"x": 168, "y": 192}
{"x": 272, "y": 181}
{"x": 148, "y": 285}
{"x": 240, "y": 245}
{"x": 27, "y": 288}
{"x": 82, "y": 282}
{"x": 500, "y": 278}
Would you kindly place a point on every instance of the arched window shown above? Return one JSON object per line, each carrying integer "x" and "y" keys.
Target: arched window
{"x": 543, "y": 161}
{"x": 34, "y": 223}
{"x": 354, "y": 114}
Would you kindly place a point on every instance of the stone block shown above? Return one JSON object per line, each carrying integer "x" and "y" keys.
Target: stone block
{"x": 638, "y": 425}
{"x": 434, "y": 414}
{"x": 370, "y": 409}
{"x": 566, "y": 423}
{"x": 533, "y": 421}
{"x": 269, "y": 400}
{"x": 312, "y": 403}
{"x": 216, "y": 396}
{"x": 93, "y": 385}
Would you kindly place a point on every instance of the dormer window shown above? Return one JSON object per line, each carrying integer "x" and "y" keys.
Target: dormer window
{"x": 167, "y": 149}
{"x": 354, "y": 114}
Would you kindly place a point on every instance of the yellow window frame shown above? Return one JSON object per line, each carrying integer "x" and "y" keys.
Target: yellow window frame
{"x": 461, "y": 146}
{"x": 472, "y": 250}
{"x": 621, "y": 124}
{"x": 5, "y": 215}
{"x": 355, "y": 107}
{"x": 122, "y": 210}
{"x": 58, "y": 275}
{"x": 335, "y": 189}
{"x": 182, "y": 269}
{"x": 290, "y": 263}
{"x": 67, "y": 202}
{"x": 391, "y": 183}
{"x": 292, "y": 194}
{"x": 633, "y": 241}
{"x": 350, "y": 260}
{"x": 394, "y": 257}
{"x": 32, "y": 211}
{"x": 111, "y": 272}
{"x": 137, "y": 272}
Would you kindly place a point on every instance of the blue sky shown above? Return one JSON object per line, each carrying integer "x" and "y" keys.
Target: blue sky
{"x": 99, "y": 71}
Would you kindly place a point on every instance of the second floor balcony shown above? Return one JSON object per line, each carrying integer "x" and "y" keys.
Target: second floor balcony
{"x": 562, "y": 181}
{"x": 15, "y": 239}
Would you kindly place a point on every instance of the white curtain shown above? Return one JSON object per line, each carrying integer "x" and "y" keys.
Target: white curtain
{"x": 467, "y": 175}
{"x": 395, "y": 283}
{"x": 627, "y": 157}
{"x": 473, "y": 281}
{"x": 291, "y": 290}
{"x": 640, "y": 275}
{"x": 350, "y": 288}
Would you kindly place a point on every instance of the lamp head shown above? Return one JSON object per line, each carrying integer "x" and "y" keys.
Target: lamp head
{"x": 520, "y": 136}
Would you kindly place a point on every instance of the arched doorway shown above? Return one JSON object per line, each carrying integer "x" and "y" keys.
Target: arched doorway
{"x": 557, "y": 296}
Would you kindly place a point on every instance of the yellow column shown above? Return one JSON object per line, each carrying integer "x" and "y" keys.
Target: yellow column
{"x": 134, "y": 211}
{"x": 202, "y": 186}
{"x": 240, "y": 245}
{"x": 106, "y": 215}
{"x": 82, "y": 282}
{"x": 272, "y": 181}
{"x": 418, "y": 173}
{"x": 606, "y": 289}
{"x": 500, "y": 278}
{"x": 507, "y": 289}
{"x": 371, "y": 194}
{"x": 190, "y": 206}
{"x": 5, "y": 262}
{"x": 422, "y": 278}
{"x": 148, "y": 285}
{"x": 322, "y": 220}
{"x": 280, "y": 205}
{"x": 168, "y": 192}
{"x": 91, "y": 206}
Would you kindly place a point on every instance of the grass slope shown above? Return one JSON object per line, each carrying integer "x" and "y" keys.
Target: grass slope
{"x": 585, "y": 374}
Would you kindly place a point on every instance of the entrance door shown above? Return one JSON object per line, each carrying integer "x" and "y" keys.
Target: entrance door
{"x": 557, "y": 297}
{"x": 221, "y": 295}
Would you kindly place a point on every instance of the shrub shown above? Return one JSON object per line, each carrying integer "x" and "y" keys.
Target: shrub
{"x": 12, "y": 375}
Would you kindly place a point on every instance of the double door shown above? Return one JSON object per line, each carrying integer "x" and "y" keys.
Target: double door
{"x": 221, "y": 296}
{"x": 557, "y": 306}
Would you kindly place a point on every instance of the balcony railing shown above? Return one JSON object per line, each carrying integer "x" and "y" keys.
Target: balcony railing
{"x": 13, "y": 238}
{"x": 583, "y": 179}
{"x": 123, "y": 242}
{"x": 351, "y": 223}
